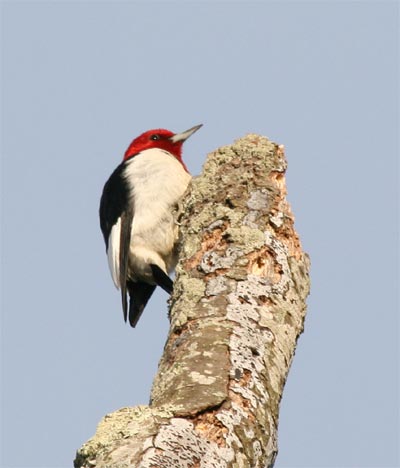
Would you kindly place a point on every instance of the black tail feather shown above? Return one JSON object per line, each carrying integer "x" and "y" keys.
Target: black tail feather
{"x": 124, "y": 301}
{"x": 139, "y": 294}
{"x": 162, "y": 279}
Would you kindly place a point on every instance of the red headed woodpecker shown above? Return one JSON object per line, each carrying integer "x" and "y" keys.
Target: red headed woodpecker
{"x": 137, "y": 216}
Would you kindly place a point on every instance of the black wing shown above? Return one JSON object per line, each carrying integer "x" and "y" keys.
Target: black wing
{"x": 115, "y": 205}
{"x": 114, "y": 201}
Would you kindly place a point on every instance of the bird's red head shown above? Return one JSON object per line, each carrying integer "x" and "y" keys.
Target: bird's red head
{"x": 162, "y": 139}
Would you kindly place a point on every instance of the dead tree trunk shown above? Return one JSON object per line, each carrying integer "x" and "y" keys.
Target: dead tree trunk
{"x": 237, "y": 310}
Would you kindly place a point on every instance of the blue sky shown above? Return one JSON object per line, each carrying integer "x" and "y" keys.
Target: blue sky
{"x": 79, "y": 81}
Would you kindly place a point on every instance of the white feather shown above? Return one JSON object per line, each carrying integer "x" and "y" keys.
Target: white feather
{"x": 113, "y": 252}
{"x": 157, "y": 180}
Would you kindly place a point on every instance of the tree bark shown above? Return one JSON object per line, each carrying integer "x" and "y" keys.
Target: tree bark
{"x": 236, "y": 313}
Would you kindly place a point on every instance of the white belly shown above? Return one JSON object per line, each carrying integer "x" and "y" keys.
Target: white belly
{"x": 157, "y": 181}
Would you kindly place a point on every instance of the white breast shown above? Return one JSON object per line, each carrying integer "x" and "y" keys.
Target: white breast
{"x": 157, "y": 182}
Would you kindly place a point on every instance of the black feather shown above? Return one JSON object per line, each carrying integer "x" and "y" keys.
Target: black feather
{"x": 114, "y": 200}
{"x": 114, "y": 204}
{"x": 124, "y": 243}
{"x": 139, "y": 294}
{"x": 162, "y": 279}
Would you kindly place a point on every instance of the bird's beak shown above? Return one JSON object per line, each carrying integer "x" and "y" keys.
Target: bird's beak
{"x": 184, "y": 135}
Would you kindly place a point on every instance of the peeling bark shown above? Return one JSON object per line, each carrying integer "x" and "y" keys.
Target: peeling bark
{"x": 236, "y": 313}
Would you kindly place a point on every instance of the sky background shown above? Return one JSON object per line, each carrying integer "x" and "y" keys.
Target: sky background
{"x": 79, "y": 81}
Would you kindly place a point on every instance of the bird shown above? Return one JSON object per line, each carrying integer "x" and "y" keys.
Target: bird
{"x": 137, "y": 216}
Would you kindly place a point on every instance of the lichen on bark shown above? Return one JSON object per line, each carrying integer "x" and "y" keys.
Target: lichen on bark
{"x": 236, "y": 313}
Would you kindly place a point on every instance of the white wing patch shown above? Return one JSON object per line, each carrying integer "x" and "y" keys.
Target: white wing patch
{"x": 113, "y": 252}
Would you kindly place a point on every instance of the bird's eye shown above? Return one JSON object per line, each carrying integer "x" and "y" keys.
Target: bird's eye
{"x": 155, "y": 137}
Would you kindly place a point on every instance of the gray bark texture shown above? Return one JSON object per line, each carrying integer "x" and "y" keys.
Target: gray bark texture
{"x": 236, "y": 313}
